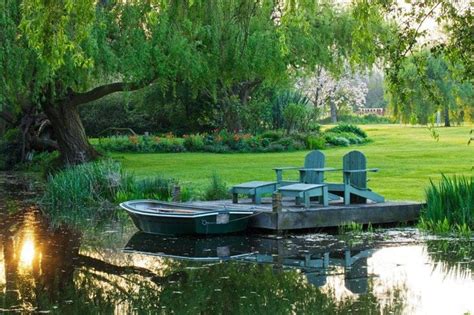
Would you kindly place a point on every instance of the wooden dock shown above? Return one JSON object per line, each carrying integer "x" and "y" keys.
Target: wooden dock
{"x": 292, "y": 217}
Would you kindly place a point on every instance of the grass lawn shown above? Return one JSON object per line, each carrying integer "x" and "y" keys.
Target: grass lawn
{"x": 408, "y": 157}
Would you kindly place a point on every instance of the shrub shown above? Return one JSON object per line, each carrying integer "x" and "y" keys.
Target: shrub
{"x": 275, "y": 147}
{"x": 217, "y": 148}
{"x": 194, "y": 142}
{"x": 293, "y": 116}
{"x": 285, "y": 142}
{"x": 352, "y": 138}
{"x": 315, "y": 142}
{"x": 314, "y": 128}
{"x": 217, "y": 189}
{"x": 225, "y": 141}
{"x": 449, "y": 204}
{"x": 336, "y": 140}
{"x": 272, "y": 135}
{"x": 348, "y": 128}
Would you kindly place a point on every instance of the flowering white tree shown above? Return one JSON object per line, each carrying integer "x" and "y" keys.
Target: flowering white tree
{"x": 338, "y": 94}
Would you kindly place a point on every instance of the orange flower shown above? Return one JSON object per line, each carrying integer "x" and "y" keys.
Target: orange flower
{"x": 133, "y": 139}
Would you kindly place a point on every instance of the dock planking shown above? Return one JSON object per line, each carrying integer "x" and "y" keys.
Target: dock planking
{"x": 293, "y": 217}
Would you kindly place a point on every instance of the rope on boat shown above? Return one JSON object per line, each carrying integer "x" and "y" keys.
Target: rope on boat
{"x": 205, "y": 222}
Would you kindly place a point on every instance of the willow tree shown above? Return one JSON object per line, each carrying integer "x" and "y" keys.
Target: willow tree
{"x": 58, "y": 55}
{"x": 426, "y": 84}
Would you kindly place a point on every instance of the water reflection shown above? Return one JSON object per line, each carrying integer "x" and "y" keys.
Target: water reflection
{"x": 114, "y": 271}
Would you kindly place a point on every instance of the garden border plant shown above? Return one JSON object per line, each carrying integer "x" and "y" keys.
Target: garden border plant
{"x": 226, "y": 142}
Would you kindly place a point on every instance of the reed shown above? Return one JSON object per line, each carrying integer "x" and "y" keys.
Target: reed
{"x": 449, "y": 205}
{"x": 157, "y": 187}
{"x": 217, "y": 189}
{"x": 90, "y": 192}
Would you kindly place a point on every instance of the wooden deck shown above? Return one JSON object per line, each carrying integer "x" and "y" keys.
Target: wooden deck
{"x": 292, "y": 217}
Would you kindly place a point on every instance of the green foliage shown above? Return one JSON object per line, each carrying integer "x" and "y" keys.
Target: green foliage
{"x": 315, "y": 142}
{"x": 351, "y": 227}
{"x": 293, "y": 116}
{"x": 425, "y": 84}
{"x": 117, "y": 111}
{"x": 349, "y": 129}
{"x": 84, "y": 192}
{"x": 89, "y": 192}
{"x": 45, "y": 162}
{"x": 194, "y": 142}
{"x": 336, "y": 140}
{"x": 155, "y": 187}
{"x": 449, "y": 205}
{"x": 360, "y": 120}
{"x": 289, "y": 110}
{"x": 345, "y": 135}
{"x": 272, "y": 135}
{"x": 217, "y": 189}
{"x": 225, "y": 142}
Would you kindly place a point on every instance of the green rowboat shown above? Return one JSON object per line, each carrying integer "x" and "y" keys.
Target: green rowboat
{"x": 155, "y": 217}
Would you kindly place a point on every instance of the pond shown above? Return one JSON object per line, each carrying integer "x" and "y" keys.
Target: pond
{"x": 116, "y": 270}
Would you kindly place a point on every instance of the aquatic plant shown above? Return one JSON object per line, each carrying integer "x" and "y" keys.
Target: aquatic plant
{"x": 91, "y": 191}
{"x": 449, "y": 205}
{"x": 351, "y": 227}
{"x": 157, "y": 187}
{"x": 217, "y": 189}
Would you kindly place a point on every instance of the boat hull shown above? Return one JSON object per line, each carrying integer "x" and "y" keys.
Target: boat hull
{"x": 194, "y": 222}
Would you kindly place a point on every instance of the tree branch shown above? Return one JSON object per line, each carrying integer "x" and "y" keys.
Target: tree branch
{"x": 104, "y": 90}
{"x": 8, "y": 117}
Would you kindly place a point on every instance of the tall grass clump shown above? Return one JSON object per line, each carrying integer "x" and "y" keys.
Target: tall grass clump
{"x": 158, "y": 187}
{"x": 449, "y": 205}
{"x": 217, "y": 189}
{"x": 82, "y": 192}
{"x": 90, "y": 192}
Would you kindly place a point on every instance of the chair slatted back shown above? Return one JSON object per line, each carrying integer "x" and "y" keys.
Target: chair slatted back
{"x": 314, "y": 159}
{"x": 355, "y": 160}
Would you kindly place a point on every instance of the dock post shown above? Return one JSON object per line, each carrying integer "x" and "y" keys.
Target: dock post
{"x": 276, "y": 202}
{"x": 176, "y": 193}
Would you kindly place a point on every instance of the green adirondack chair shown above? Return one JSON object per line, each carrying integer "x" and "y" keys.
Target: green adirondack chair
{"x": 354, "y": 187}
{"x": 311, "y": 182}
{"x": 311, "y": 173}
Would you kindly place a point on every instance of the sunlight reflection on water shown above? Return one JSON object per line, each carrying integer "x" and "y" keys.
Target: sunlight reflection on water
{"x": 429, "y": 287}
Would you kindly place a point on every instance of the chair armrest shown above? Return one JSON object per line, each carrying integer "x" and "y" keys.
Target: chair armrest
{"x": 361, "y": 171}
{"x": 324, "y": 169}
{"x": 279, "y": 172}
{"x": 285, "y": 168}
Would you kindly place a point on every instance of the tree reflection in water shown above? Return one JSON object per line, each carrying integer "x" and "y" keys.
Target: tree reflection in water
{"x": 48, "y": 269}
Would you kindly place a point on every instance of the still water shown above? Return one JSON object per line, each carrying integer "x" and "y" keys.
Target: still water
{"x": 116, "y": 270}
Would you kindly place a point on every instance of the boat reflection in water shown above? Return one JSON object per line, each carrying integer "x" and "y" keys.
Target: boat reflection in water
{"x": 317, "y": 260}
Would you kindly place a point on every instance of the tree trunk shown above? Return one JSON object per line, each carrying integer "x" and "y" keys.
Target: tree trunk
{"x": 70, "y": 134}
{"x": 447, "y": 123}
{"x": 333, "y": 111}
